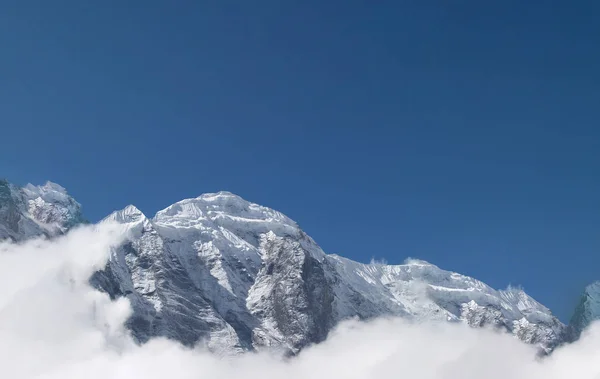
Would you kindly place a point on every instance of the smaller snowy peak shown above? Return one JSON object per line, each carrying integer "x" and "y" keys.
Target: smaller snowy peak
{"x": 524, "y": 302}
{"x": 51, "y": 204}
{"x": 55, "y": 187}
{"x": 127, "y": 215}
{"x": 32, "y": 211}
{"x": 132, "y": 222}
{"x": 586, "y": 312}
{"x": 593, "y": 291}
{"x": 49, "y": 187}
{"x": 589, "y": 306}
{"x": 50, "y": 193}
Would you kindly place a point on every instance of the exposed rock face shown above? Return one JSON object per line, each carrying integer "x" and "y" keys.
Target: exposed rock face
{"x": 291, "y": 295}
{"x": 236, "y": 276}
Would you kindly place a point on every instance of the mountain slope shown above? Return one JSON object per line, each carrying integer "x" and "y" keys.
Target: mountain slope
{"x": 237, "y": 276}
{"x": 587, "y": 311}
{"x": 36, "y": 211}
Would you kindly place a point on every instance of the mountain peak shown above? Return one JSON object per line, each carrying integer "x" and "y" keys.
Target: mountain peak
{"x": 50, "y": 193}
{"x": 586, "y": 312}
{"x": 36, "y": 211}
{"x": 593, "y": 288}
{"x": 221, "y": 207}
{"x": 417, "y": 262}
{"x": 51, "y": 186}
{"x": 208, "y": 196}
{"x": 47, "y": 187}
{"x": 129, "y": 214}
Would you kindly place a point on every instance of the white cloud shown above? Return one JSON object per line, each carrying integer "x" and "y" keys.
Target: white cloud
{"x": 53, "y": 325}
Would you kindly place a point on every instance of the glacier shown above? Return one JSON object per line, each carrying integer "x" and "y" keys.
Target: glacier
{"x": 234, "y": 276}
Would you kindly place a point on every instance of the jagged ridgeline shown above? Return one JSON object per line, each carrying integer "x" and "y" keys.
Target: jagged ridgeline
{"x": 236, "y": 276}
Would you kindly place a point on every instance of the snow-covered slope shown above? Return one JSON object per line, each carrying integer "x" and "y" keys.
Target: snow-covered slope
{"x": 36, "y": 211}
{"x": 237, "y": 276}
{"x": 587, "y": 311}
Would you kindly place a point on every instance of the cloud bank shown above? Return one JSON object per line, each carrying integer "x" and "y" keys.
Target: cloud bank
{"x": 53, "y": 325}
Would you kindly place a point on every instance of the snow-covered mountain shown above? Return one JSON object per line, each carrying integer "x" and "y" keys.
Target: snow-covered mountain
{"x": 240, "y": 276}
{"x": 587, "y": 311}
{"x": 36, "y": 211}
{"x": 237, "y": 276}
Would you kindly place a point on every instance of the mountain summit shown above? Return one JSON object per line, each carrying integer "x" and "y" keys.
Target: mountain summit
{"x": 236, "y": 276}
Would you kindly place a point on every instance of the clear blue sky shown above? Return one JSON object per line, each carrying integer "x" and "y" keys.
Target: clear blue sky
{"x": 462, "y": 133}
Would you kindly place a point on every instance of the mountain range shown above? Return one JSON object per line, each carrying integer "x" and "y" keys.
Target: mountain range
{"x": 235, "y": 276}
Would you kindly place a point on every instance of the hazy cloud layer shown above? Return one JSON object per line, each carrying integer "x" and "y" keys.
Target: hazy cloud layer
{"x": 54, "y": 326}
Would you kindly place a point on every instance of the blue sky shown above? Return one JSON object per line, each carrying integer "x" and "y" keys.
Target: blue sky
{"x": 466, "y": 134}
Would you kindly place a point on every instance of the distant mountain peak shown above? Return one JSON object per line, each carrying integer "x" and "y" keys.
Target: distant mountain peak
{"x": 47, "y": 187}
{"x": 586, "y": 312}
{"x": 30, "y": 211}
